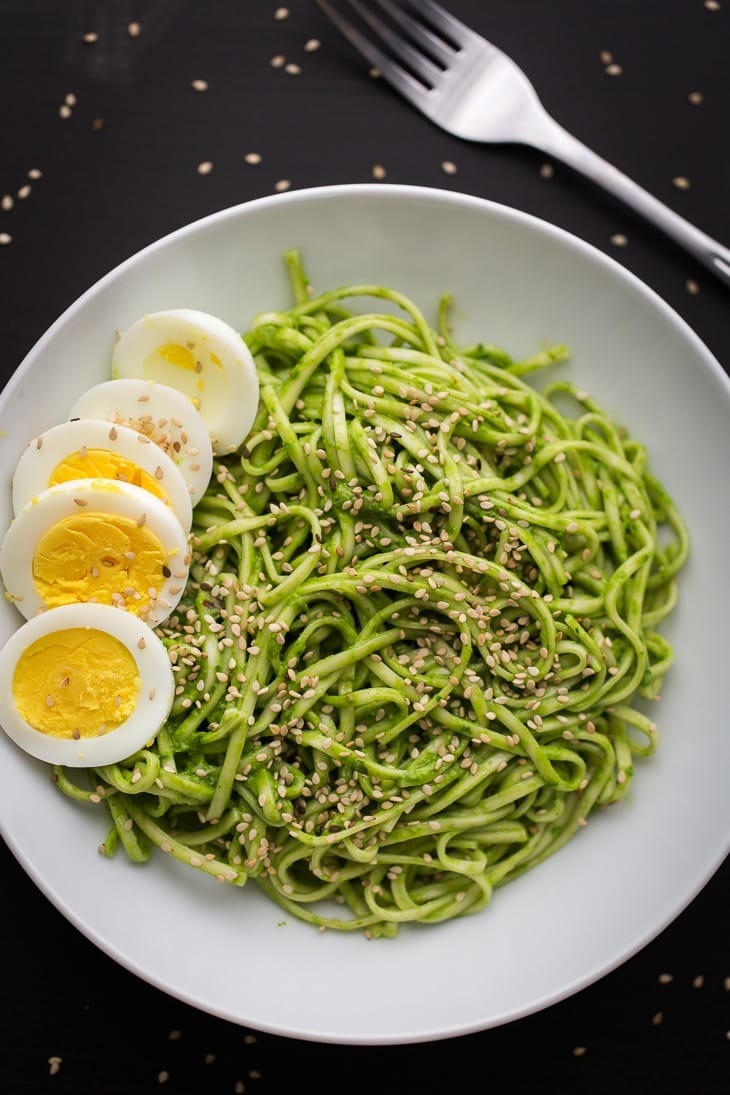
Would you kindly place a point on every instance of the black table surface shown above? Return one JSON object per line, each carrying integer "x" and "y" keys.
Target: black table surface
{"x": 101, "y": 140}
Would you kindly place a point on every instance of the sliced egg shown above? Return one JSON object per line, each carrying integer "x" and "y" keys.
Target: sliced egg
{"x": 90, "y": 449}
{"x": 202, "y": 356}
{"x": 163, "y": 414}
{"x": 95, "y": 540}
{"x": 84, "y": 685}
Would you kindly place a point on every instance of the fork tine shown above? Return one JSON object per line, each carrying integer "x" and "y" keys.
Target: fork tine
{"x": 418, "y": 32}
{"x": 394, "y": 73}
{"x": 446, "y": 23}
{"x": 420, "y": 64}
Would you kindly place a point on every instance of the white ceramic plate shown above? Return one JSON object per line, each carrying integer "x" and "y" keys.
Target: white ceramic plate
{"x": 519, "y": 283}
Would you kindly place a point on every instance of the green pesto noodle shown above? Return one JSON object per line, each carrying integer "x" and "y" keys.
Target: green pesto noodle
{"x": 423, "y": 604}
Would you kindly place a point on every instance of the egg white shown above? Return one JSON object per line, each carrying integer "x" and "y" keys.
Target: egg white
{"x": 41, "y": 456}
{"x": 153, "y": 704}
{"x": 103, "y": 496}
{"x": 226, "y": 393}
{"x": 164, "y": 414}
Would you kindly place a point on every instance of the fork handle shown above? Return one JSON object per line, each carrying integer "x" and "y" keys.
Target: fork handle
{"x": 564, "y": 146}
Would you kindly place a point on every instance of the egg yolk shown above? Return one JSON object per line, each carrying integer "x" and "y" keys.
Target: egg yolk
{"x": 103, "y": 464}
{"x": 102, "y": 557}
{"x": 76, "y": 683}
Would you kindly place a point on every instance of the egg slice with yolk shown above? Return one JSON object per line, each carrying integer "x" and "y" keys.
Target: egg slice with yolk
{"x": 95, "y": 540}
{"x": 202, "y": 356}
{"x": 94, "y": 449}
{"x": 163, "y": 414}
{"x": 84, "y": 685}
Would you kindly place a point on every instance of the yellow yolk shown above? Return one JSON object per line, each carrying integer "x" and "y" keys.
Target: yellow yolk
{"x": 102, "y": 464}
{"x": 76, "y": 683}
{"x": 102, "y": 557}
{"x": 178, "y": 355}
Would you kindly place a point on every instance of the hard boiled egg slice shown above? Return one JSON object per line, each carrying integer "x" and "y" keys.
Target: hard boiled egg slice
{"x": 95, "y": 540}
{"x": 163, "y": 414}
{"x": 84, "y": 685}
{"x": 90, "y": 449}
{"x": 204, "y": 358}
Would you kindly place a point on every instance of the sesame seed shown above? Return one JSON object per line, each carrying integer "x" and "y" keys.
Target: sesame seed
{"x": 64, "y": 110}
{"x": 133, "y": 30}
{"x": 70, "y": 99}
{"x": 378, "y": 171}
{"x": 311, "y": 45}
{"x": 606, "y": 57}
{"x": 6, "y": 203}
{"x": 97, "y": 124}
{"x": 292, "y": 69}
{"x": 665, "y": 978}
{"x": 199, "y": 85}
{"x": 374, "y": 73}
{"x": 619, "y": 239}
{"x": 175, "y": 1035}
{"x": 163, "y": 1077}
{"x": 547, "y": 171}
{"x": 698, "y": 981}
{"x": 657, "y": 1018}
{"x": 277, "y": 60}
{"x": 252, "y": 157}
{"x": 613, "y": 70}
{"x": 281, "y": 13}
{"x": 680, "y": 182}
{"x": 239, "y": 1087}
{"x": 449, "y": 168}
{"x": 35, "y": 173}
{"x": 282, "y": 185}
{"x": 712, "y": 5}
{"x": 695, "y": 97}
{"x": 54, "y": 1064}
{"x": 205, "y": 167}
{"x": 692, "y": 287}
{"x": 580, "y": 1051}
{"x": 90, "y": 37}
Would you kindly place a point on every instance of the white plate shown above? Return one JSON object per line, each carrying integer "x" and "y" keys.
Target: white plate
{"x": 519, "y": 283}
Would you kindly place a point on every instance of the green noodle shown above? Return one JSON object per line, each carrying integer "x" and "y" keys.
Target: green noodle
{"x": 422, "y": 608}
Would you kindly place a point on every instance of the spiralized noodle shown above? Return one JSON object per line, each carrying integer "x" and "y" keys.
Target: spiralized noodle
{"x": 423, "y": 606}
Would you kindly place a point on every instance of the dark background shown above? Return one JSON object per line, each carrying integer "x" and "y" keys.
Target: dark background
{"x": 120, "y": 171}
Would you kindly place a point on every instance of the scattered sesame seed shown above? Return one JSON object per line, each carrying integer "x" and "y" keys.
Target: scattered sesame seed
{"x": 449, "y": 168}
{"x": 695, "y": 97}
{"x": 163, "y": 1077}
{"x": 692, "y": 287}
{"x": 281, "y": 13}
{"x": 712, "y": 5}
{"x": 613, "y": 70}
{"x": 90, "y": 37}
{"x": 35, "y": 173}
{"x": 547, "y": 170}
{"x": 681, "y": 182}
{"x": 175, "y": 1035}
{"x": 698, "y": 981}
{"x": 209, "y": 1058}
{"x": 71, "y": 99}
{"x": 665, "y": 978}
{"x": 657, "y": 1018}
{"x": 6, "y": 203}
{"x": 239, "y": 1087}
{"x": 97, "y": 124}
{"x": 54, "y": 1065}
{"x": 606, "y": 57}
{"x": 64, "y": 110}
{"x": 277, "y": 60}
{"x": 580, "y": 1051}
{"x": 619, "y": 240}
{"x": 5, "y": 239}
{"x": 252, "y": 157}
{"x": 378, "y": 171}
{"x": 133, "y": 30}
{"x": 311, "y": 45}
{"x": 205, "y": 167}
{"x": 199, "y": 85}
{"x": 24, "y": 192}
{"x": 375, "y": 73}
{"x": 281, "y": 185}
{"x": 292, "y": 68}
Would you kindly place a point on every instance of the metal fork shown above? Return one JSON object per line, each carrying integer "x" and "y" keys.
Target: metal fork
{"x": 473, "y": 90}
